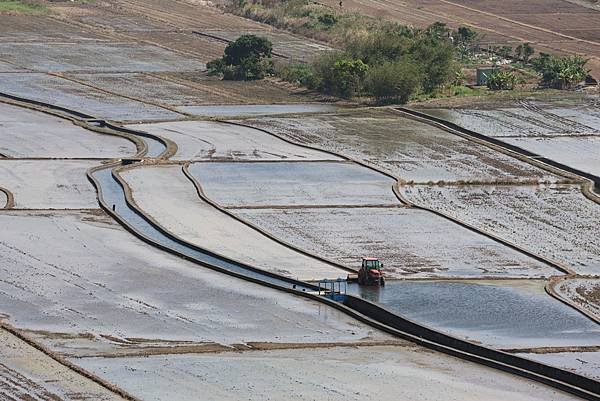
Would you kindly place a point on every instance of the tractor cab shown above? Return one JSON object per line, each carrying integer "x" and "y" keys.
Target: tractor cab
{"x": 370, "y": 272}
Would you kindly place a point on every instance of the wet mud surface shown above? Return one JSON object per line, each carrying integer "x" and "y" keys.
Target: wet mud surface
{"x": 407, "y": 149}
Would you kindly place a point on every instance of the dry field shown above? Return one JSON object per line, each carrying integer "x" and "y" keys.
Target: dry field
{"x": 551, "y": 26}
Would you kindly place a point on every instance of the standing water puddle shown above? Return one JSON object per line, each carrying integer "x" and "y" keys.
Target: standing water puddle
{"x": 502, "y": 314}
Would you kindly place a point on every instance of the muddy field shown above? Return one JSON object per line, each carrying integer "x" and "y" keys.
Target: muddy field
{"x": 555, "y": 221}
{"x": 171, "y": 199}
{"x": 26, "y": 133}
{"x": 584, "y": 292}
{"x": 49, "y": 184}
{"x": 204, "y": 140}
{"x": 407, "y": 149}
{"x": 28, "y": 374}
{"x": 359, "y": 373}
{"x": 411, "y": 243}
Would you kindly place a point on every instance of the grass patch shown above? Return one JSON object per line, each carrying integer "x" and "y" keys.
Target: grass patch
{"x": 22, "y": 7}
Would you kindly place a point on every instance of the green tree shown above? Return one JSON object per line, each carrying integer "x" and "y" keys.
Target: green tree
{"x": 338, "y": 74}
{"x": 560, "y": 72}
{"x": 436, "y": 62}
{"x": 393, "y": 82}
{"x": 466, "y": 36}
{"x": 247, "y": 58}
{"x": 502, "y": 80}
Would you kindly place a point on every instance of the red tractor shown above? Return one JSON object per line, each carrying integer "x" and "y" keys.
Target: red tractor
{"x": 370, "y": 272}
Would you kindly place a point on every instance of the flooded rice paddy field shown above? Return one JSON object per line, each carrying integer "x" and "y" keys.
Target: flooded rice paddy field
{"x": 501, "y": 314}
{"x": 358, "y": 373}
{"x": 409, "y": 150}
{"x": 411, "y": 243}
{"x": 207, "y": 140}
{"x": 26, "y": 133}
{"x": 526, "y": 118}
{"x": 95, "y": 56}
{"x": 580, "y": 152}
{"x": 79, "y": 272}
{"x": 583, "y": 291}
{"x": 49, "y": 184}
{"x": 293, "y": 184}
{"x": 555, "y": 221}
{"x": 171, "y": 199}
{"x": 61, "y": 92}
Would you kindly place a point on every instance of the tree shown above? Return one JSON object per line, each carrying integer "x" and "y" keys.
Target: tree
{"x": 560, "y": 72}
{"x": 524, "y": 51}
{"x": 393, "y": 82}
{"x": 436, "y": 61}
{"x": 466, "y": 36}
{"x": 502, "y": 80}
{"x": 338, "y": 74}
{"x": 504, "y": 51}
{"x": 247, "y": 58}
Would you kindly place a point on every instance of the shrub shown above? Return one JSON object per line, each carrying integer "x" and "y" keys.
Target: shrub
{"x": 393, "y": 82}
{"x": 502, "y": 80}
{"x": 560, "y": 72}
{"x": 338, "y": 74}
{"x": 327, "y": 19}
{"x": 247, "y": 58}
{"x": 301, "y": 74}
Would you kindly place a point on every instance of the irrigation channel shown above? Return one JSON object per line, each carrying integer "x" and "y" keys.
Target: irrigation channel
{"x": 114, "y": 199}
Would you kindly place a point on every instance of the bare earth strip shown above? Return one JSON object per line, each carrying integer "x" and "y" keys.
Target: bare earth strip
{"x": 361, "y": 373}
{"x": 554, "y": 221}
{"x": 171, "y": 199}
{"x": 27, "y": 133}
{"x": 49, "y": 184}
{"x": 205, "y": 140}
{"x": 29, "y": 374}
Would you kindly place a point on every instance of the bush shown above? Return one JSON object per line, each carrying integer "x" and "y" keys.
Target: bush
{"x": 436, "y": 62}
{"x": 300, "y": 74}
{"x": 560, "y": 72}
{"x": 502, "y": 80}
{"x": 247, "y": 58}
{"x": 393, "y": 82}
{"x": 327, "y": 19}
{"x": 338, "y": 74}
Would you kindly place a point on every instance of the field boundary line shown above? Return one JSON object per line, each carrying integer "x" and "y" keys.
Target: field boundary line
{"x": 10, "y": 199}
{"x": 551, "y": 286}
{"x": 403, "y": 200}
{"x": 67, "y": 364}
{"x": 216, "y": 205}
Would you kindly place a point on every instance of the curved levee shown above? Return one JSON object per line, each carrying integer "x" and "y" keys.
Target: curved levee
{"x": 10, "y": 199}
{"x": 363, "y": 310}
